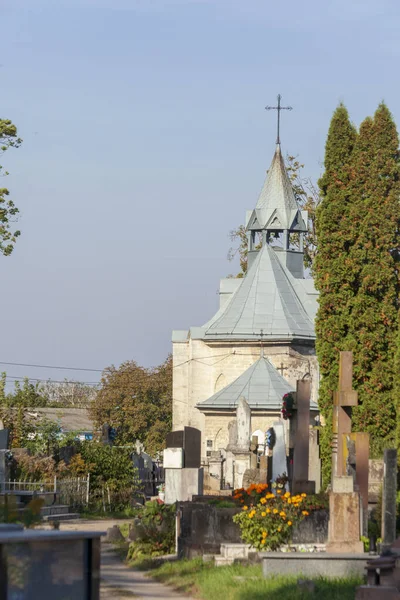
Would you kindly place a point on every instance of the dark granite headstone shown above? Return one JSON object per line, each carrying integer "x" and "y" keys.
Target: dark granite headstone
{"x": 192, "y": 448}
{"x": 4, "y": 439}
{"x": 389, "y": 499}
{"x": 190, "y": 440}
{"x": 175, "y": 439}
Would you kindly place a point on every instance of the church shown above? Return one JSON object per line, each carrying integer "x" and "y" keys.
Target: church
{"x": 262, "y": 338}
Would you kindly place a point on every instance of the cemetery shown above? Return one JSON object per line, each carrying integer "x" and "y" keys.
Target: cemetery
{"x": 260, "y": 459}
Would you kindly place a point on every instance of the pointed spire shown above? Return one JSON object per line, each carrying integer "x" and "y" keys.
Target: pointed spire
{"x": 277, "y": 192}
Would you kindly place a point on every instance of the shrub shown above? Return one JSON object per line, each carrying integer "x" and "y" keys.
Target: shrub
{"x": 269, "y": 523}
{"x": 155, "y": 530}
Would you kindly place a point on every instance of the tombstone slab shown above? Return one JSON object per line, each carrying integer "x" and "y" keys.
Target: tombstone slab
{"x": 344, "y": 523}
{"x": 389, "y": 498}
{"x": 279, "y": 460}
{"x": 243, "y": 418}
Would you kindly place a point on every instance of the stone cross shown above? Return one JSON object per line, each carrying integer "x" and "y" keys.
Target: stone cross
{"x": 343, "y": 400}
{"x": 301, "y": 454}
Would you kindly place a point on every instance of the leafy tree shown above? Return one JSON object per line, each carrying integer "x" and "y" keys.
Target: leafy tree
{"x": 307, "y": 197}
{"x": 332, "y": 272}
{"x": 8, "y": 210}
{"x": 374, "y": 232}
{"x": 137, "y": 402}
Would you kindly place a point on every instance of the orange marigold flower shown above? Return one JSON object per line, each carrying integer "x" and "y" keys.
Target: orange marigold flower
{"x": 275, "y": 511}
{"x": 289, "y": 523}
{"x": 244, "y": 508}
{"x": 305, "y": 513}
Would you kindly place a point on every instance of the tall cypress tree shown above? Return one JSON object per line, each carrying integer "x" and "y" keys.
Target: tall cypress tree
{"x": 372, "y": 325}
{"x": 332, "y": 272}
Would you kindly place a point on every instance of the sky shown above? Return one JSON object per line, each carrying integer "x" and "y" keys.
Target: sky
{"x": 145, "y": 142}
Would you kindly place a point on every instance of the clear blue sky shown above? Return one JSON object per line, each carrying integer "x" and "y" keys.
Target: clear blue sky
{"x": 145, "y": 141}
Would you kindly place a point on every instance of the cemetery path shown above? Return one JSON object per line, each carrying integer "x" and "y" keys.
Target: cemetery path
{"x": 119, "y": 582}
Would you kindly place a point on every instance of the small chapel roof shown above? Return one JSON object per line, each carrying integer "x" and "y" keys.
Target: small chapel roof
{"x": 277, "y": 194}
{"x": 261, "y": 385}
{"x": 265, "y": 305}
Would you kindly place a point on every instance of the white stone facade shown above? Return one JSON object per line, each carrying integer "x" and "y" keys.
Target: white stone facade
{"x": 201, "y": 369}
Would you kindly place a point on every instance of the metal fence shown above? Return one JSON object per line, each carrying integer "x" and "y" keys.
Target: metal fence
{"x": 73, "y": 492}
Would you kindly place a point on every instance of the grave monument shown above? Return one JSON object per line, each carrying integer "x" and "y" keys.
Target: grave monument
{"x": 183, "y": 472}
{"x": 348, "y": 497}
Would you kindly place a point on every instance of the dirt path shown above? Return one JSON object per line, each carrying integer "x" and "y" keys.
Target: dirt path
{"x": 119, "y": 582}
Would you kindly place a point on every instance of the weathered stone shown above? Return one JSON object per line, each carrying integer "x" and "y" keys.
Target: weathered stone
{"x": 251, "y": 476}
{"x": 243, "y": 417}
{"x": 389, "y": 498}
{"x": 314, "y": 461}
{"x": 343, "y": 485}
{"x": 182, "y": 484}
{"x": 279, "y": 460}
{"x": 344, "y": 523}
{"x": 301, "y": 444}
{"x": 318, "y": 564}
{"x": 173, "y": 458}
{"x": 113, "y": 535}
{"x": 375, "y": 479}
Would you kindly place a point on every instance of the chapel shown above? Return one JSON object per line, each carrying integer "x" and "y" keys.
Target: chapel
{"x": 261, "y": 340}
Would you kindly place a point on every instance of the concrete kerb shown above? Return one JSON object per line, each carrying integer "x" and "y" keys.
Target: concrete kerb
{"x": 318, "y": 564}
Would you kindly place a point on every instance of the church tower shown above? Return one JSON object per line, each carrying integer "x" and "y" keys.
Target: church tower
{"x": 262, "y": 338}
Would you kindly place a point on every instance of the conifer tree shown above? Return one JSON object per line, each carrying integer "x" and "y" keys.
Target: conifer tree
{"x": 331, "y": 270}
{"x": 372, "y": 327}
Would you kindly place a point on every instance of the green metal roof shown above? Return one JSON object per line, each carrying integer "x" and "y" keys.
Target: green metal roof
{"x": 261, "y": 385}
{"x": 265, "y": 305}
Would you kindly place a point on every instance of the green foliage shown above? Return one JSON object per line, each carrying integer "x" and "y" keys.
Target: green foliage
{"x": 29, "y": 517}
{"x": 218, "y": 503}
{"x": 269, "y": 524}
{"x": 355, "y": 272}
{"x": 155, "y": 531}
{"x": 113, "y": 478}
{"x": 372, "y": 329}
{"x": 137, "y": 402}
{"x": 8, "y": 210}
{"x": 331, "y": 271}
{"x": 246, "y": 582}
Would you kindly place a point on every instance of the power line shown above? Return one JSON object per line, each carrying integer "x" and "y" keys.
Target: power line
{"x": 14, "y": 364}
{"x": 70, "y": 381}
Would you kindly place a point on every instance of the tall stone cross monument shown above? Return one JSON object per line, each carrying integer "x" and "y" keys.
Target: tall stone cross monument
{"x": 350, "y": 453}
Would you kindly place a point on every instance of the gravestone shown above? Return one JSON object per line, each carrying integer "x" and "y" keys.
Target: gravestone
{"x": 314, "y": 460}
{"x": 389, "y": 499}
{"x": 238, "y": 458}
{"x": 279, "y": 461}
{"x": 301, "y": 451}
{"x": 184, "y": 476}
{"x": 345, "y": 522}
{"x": 4, "y": 439}
{"x": 190, "y": 440}
{"x": 243, "y": 418}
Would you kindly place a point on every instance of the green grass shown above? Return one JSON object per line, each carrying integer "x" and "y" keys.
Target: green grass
{"x": 240, "y": 582}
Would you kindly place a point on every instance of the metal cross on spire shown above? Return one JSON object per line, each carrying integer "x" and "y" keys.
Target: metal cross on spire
{"x": 278, "y": 109}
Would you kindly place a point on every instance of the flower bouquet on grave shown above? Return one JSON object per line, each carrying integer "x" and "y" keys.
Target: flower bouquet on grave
{"x": 280, "y": 483}
{"x": 288, "y": 406}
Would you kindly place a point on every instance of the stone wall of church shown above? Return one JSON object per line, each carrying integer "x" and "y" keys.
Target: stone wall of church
{"x": 201, "y": 369}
